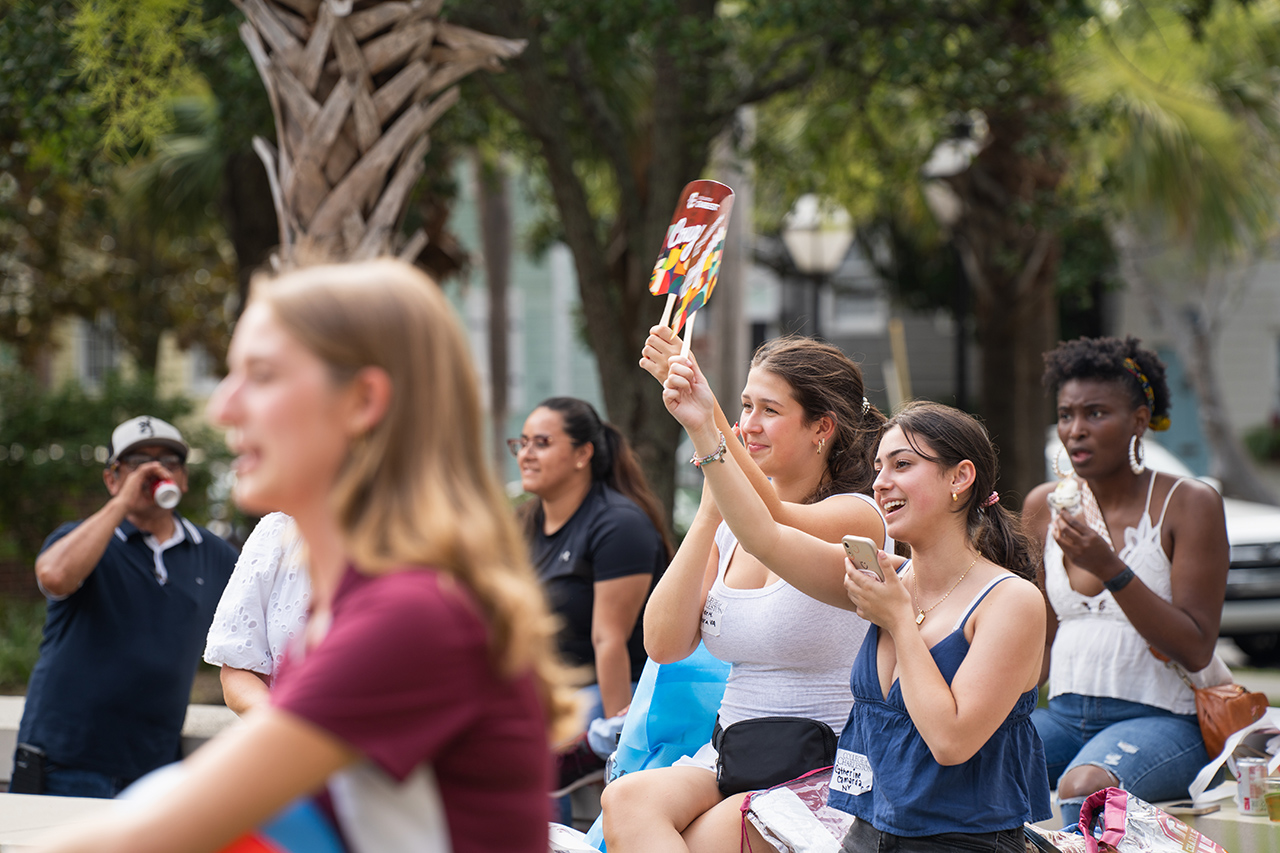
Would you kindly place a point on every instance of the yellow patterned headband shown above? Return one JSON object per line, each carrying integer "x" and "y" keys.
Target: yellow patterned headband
{"x": 1158, "y": 423}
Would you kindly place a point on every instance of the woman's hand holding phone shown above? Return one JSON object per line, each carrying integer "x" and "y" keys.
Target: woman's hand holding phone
{"x": 863, "y": 555}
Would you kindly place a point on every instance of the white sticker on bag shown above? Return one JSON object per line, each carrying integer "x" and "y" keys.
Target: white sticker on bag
{"x": 851, "y": 774}
{"x": 712, "y": 616}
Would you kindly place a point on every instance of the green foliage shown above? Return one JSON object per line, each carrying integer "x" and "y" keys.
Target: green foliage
{"x": 44, "y": 108}
{"x": 47, "y": 169}
{"x": 53, "y": 446}
{"x": 132, "y": 55}
{"x": 904, "y": 80}
{"x": 1186, "y": 119}
{"x": 21, "y": 624}
{"x": 1263, "y": 442}
{"x": 80, "y": 236}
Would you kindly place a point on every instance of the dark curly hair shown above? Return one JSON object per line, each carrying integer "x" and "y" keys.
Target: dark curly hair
{"x": 1103, "y": 359}
{"x": 825, "y": 381}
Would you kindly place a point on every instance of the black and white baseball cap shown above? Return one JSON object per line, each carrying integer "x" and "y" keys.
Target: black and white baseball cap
{"x": 144, "y": 430}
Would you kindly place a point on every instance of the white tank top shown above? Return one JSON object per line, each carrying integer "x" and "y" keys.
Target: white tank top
{"x": 1097, "y": 651}
{"x": 790, "y": 654}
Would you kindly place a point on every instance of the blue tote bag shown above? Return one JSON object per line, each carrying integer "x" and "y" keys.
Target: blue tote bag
{"x": 672, "y": 715}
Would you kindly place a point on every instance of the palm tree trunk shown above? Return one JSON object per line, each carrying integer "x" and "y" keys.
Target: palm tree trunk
{"x": 354, "y": 93}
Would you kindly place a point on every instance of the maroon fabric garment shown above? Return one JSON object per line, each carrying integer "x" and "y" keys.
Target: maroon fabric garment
{"x": 404, "y": 676}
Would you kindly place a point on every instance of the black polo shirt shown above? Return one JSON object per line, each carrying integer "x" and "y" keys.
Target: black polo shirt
{"x": 608, "y": 537}
{"x": 110, "y": 690}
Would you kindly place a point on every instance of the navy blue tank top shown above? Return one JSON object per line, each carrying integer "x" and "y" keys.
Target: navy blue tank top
{"x": 886, "y": 775}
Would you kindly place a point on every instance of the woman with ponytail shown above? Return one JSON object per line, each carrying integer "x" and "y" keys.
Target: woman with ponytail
{"x": 939, "y": 751}
{"x": 599, "y": 543}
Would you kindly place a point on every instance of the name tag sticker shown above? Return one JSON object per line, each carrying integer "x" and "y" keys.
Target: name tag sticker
{"x": 851, "y": 774}
{"x": 712, "y": 616}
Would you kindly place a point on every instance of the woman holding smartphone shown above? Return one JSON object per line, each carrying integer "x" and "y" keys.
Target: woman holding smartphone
{"x": 807, "y": 438}
{"x": 939, "y": 752}
{"x": 420, "y": 695}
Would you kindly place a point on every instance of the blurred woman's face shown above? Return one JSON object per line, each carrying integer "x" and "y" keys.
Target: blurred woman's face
{"x": 286, "y": 416}
{"x": 549, "y": 463}
{"x": 1096, "y": 419}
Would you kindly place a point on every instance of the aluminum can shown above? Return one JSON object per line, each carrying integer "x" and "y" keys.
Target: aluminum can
{"x": 1251, "y": 787}
{"x": 166, "y": 494}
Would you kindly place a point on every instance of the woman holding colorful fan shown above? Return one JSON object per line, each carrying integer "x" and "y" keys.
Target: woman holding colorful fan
{"x": 807, "y": 434}
{"x": 938, "y": 751}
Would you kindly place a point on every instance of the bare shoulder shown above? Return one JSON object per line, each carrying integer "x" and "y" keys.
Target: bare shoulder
{"x": 1015, "y": 594}
{"x": 1013, "y": 609}
{"x": 1195, "y": 508}
{"x": 1191, "y": 493}
{"x": 1039, "y": 496}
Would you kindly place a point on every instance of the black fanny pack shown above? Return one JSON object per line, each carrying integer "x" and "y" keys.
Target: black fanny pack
{"x": 767, "y": 751}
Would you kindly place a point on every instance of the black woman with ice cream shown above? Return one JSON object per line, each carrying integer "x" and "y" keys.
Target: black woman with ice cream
{"x": 1135, "y": 564}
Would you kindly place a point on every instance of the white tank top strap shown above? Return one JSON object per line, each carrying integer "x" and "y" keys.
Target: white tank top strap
{"x": 977, "y": 599}
{"x": 888, "y": 540}
{"x": 1165, "y": 508}
{"x": 1151, "y": 487}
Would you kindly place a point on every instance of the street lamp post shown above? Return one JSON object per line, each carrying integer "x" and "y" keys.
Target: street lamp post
{"x": 817, "y": 235}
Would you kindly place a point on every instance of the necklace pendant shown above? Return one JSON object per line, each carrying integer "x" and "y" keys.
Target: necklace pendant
{"x": 919, "y": 617}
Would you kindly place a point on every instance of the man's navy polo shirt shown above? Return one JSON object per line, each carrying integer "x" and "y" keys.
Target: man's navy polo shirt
{"x": 111, "y": 688}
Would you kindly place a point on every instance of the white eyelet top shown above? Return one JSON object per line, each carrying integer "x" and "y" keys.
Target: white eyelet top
{"x": 1097, "y": 651}
{"x": 265, "y": 603}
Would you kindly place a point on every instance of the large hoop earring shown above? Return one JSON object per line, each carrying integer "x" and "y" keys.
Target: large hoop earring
{"x": 1136, "y": 455}
{"x": 1057, "y": 469}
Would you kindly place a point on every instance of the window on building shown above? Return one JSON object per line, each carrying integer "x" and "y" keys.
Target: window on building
{"x": 101, "y": 351}
{"x": 203, "y": 374}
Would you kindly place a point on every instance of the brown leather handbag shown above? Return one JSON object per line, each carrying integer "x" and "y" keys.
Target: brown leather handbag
{"x": 1222, "y": 709}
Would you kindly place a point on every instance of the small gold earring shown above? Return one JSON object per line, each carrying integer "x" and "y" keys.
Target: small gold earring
{"x": 955, "y": 496}
{"x": 821, "y": 443}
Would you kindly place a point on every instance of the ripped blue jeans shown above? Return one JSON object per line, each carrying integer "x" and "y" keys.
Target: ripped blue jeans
{"x": 1154, "y": 753}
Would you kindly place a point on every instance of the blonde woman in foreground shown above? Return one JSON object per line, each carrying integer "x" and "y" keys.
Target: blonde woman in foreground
{"x": 422, "y": 692}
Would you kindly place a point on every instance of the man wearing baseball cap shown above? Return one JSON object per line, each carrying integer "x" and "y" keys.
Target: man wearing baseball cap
{"x": 131, "y": 591}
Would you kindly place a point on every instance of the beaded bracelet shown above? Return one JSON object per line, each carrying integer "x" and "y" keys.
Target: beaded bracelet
{"x": 716, "y": 456}
{"x": 1120, "y": 581}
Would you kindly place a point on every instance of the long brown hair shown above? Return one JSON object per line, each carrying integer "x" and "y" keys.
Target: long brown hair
{"x": 417, "y": 489}
{"x": 613, "y": 463}
{"x": 825, "y": 381}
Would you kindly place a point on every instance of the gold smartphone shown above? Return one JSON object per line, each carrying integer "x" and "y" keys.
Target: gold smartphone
{"x": 862, "y": 553}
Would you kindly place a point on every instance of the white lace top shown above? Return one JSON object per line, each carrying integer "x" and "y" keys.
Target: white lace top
{"x": 1097, "y": 652}
{"x": 265, "y": 603}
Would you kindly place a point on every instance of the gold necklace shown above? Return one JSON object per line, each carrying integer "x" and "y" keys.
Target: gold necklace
{"x": 920, "y": 614}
